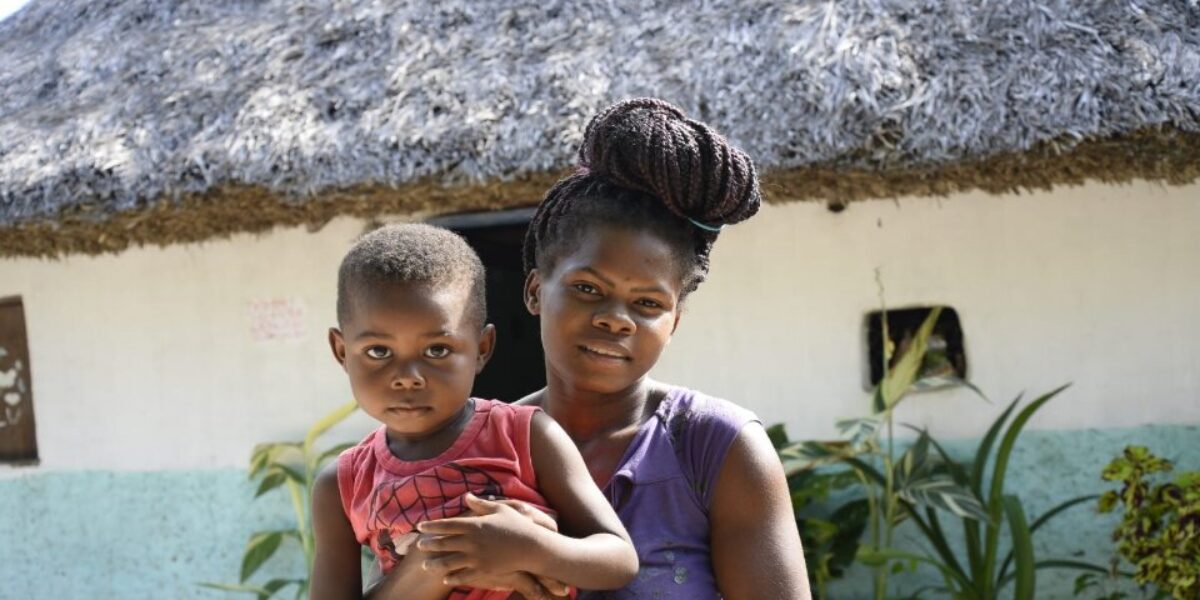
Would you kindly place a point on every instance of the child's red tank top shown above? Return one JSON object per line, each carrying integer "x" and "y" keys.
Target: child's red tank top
{"x": 385, "y": 497}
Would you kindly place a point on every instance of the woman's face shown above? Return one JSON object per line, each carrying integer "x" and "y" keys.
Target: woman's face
{"x": 608, "y": 308}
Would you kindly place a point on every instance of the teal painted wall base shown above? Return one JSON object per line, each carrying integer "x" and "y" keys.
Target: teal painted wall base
{"x": 102, "y": 535}
{"x": 1047, "y": 468}
{"x": 130, "y": 536}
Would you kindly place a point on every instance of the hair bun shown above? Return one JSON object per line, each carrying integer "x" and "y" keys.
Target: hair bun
{"x": 651, "y": 146}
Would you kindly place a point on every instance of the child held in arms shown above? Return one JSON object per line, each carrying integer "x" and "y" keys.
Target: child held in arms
{"x": 412, "y": 335}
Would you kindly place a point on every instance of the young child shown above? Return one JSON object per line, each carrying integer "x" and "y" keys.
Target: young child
{"x": 412, "y": 336}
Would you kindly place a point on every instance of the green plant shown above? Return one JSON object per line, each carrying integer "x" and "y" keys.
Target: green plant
{"x": 924, "y": 483}
{"x": 830, "y": 538}
{"x": 1160, "y": 528}
{"x": 293, "y": 466}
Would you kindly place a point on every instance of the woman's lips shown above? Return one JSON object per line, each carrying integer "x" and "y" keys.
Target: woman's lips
{"x": 604, "y": 352}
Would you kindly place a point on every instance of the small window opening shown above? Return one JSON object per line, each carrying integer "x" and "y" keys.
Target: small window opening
{"x": 18, "y": 440}
{"x": 945, "y": 361}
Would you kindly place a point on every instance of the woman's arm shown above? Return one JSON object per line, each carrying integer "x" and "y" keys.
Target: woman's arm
{"x": 756, "y": 549}
{"x": 593, "y": 551}
{"x": 337, "y": 565}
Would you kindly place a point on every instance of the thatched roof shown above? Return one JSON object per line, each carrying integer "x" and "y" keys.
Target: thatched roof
{"x": 166, "y": 120}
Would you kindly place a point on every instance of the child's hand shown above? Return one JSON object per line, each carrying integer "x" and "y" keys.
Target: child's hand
{"x": 476, "y": 550}
{"x": 480, "y": 506}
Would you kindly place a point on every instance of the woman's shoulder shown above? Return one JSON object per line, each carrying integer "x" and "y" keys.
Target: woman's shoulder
{"x": 684, "y": 407}
{"x": 701, "y": 429}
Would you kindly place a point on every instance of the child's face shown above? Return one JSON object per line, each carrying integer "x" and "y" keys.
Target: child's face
{"x": 608, "y": 309}
{"x": 412, "y": 353}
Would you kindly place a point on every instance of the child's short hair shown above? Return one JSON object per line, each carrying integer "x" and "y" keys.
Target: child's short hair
{"x": 412, "y": 253}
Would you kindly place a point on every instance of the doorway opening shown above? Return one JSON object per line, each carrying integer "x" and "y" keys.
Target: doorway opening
{"x": 518, "y": 366}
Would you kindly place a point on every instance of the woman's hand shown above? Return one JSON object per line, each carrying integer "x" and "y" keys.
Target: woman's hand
{"x": 472, "y": 550}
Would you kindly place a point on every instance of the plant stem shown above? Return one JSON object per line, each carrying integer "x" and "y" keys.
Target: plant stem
{"x": 889, "y": 506}
{"x": 302, "y": 523}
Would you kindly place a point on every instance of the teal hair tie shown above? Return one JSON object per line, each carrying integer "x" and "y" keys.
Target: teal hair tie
{"x": 706, "y": 226}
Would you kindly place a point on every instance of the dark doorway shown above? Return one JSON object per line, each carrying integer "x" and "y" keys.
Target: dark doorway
{"x": 517, "y": 368}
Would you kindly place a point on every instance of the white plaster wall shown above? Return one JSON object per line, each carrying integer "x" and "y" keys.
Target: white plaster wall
{"x": 1096, "y": 285}
{"x": 145, "y": 360}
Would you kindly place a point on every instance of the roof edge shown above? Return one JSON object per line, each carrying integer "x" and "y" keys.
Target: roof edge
{"x": 1158, "y": 154}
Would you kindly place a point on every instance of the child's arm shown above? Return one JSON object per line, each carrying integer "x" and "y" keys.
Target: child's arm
{"x": 592, "y": 552}
{"x": 337, "y": 565}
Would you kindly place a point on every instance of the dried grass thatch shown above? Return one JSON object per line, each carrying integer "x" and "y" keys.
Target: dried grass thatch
{"x": 176, "y": 120}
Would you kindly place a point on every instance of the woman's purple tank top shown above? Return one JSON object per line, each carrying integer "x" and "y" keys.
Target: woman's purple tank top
{"x": 663, "y": 489}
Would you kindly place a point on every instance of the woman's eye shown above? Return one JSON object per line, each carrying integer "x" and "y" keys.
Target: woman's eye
{"x": 587, "y": 288}
{"x": 650, "y": 303}
{"x": 378, "y": 352}
{"x": 437, "y": 351}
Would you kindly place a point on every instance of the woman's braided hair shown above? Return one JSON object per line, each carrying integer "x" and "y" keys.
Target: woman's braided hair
{"x": 643, "y": 164}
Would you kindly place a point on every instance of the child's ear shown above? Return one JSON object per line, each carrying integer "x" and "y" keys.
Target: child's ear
{"x": 338, "y": 345}
{"x": 533, "y": 287}
{"x": 487, "y": 345}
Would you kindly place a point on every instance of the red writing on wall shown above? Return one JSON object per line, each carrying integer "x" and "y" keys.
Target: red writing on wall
{"x": 276, "y": 319}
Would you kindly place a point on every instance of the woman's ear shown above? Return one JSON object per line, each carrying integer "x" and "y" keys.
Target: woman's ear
{"x": 533, "y": 290}
{"x": 487, "y": 347}
{"x": 338, "y": 345}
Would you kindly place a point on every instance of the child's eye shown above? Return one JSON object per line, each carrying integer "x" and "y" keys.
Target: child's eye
{"x": 648, "y": 303}
{"x": 587, "y": 288}
{"x": 437, "y": 352}
{"x": 378, "y": 352}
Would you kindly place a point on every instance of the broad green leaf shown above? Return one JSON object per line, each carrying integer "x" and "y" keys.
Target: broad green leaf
{"x": 1049, "y": 514}
{"x": 932, "y": 529}
{"x": 333, "y": 452}
{"x": 233, "y": 587}
{"x": 956, "y": 470}
{"x": 1022, "y": 541}
{"x": 897, "y": 381}
{"x": 262, "y": 546}
{"x": 266, "y": 455}
{"x": 912, "y": 461}
{"x": 270, "y": 482}
{"x": 994, "y": 498}
{"x": 289, "y": 472}
{"x": 1046, "y": 516}
{"x": 1059, "y": 563}
{"x": 983, "y": 454}
{"x": 273, "y": 586}
{"x": 778, "y": 435}
{"x": 871, "y": 472}
{"x": 1084, "y": 582}
{"x": 802, "y": 456}
{"x": 288, "y": 457}
{"x": 1010, "y": 440}
{"x": 258, "y": 459}
{"x": 942, "y": 493}
{"x": 822, "y": 530}
{"x": 871, "y": 556}
{"x": 858, "y": 431}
